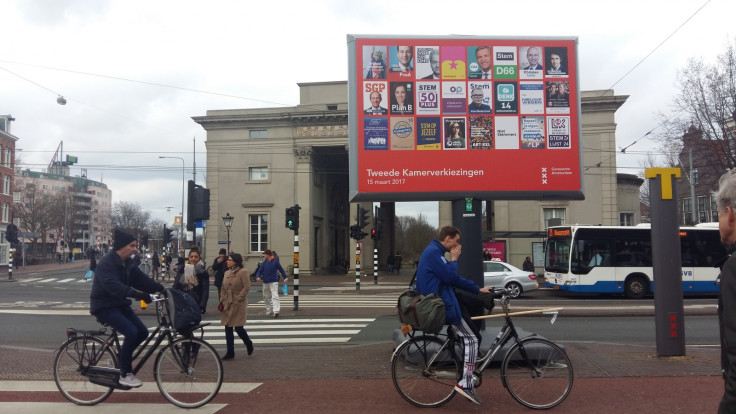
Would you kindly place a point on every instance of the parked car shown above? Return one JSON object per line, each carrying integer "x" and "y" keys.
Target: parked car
{"x": 499, "y": 274}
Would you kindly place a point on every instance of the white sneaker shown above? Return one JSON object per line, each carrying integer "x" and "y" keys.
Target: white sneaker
{"x": 129, "y": 380}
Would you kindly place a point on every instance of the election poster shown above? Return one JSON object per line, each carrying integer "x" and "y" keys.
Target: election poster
{"x": 455, "y": 136}
{"x": 428, "y": 62}
{"x": 429, "y": 133}
{"x": 443, "y": 114}
{"x": 531, "y": 96}
{"x": 480, "y": 132}
{"x": 507, "y": 132}
{"x": 532, "y": 132}
{"x": 402, "y": 133}
{"x": 454, "y": 98}
{"x": 558, "y": 128}
{"x": 506, "y": 100}
{"x": 428, "y": 98}
{"x": 374, "y": 62}
{"x": 376, "y": 133}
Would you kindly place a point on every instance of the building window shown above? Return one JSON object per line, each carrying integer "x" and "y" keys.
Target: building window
{"x": 258, "y": 133}
{"x": 258, "y": 232}
{"x": 687, "y": 211}
{"x": 6, "y": 185}
{"x": 704, "y": 209}
{"x": 6, "y": 212}
{"x": 550, "y": 214}
{"x": 8, "y": 157}
{"x": 713, "y": 209}
{"x": 258, "y": 173}
{"x": 625, "y": 219}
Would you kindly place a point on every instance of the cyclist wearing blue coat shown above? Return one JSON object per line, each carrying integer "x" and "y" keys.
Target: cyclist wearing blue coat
{"x": 117, "y": 278}
{"x": 436, "y": 274}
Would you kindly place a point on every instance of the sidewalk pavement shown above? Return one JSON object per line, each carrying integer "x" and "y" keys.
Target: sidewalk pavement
{"x": 698, "y": 371}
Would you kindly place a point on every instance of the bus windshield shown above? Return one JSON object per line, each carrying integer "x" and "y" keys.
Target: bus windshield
{"x": 558, "y": 253}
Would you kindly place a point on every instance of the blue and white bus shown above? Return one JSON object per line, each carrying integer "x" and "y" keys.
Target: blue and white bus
{"x": 603, "y": 259}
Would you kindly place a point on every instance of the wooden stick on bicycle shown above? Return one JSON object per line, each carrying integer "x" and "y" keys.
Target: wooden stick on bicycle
{"x": 500, "y": 315}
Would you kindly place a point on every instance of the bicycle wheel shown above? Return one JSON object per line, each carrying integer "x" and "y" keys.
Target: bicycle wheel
{"x": 537, "y": 373}
{"x": 188, "y": 372}
{"x": 72, "y": 359}
{"x": 420, "y": 382}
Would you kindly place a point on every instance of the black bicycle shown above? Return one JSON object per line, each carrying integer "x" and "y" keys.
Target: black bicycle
{"x": 535, "y": 371}
{"x": 187, "y": 369}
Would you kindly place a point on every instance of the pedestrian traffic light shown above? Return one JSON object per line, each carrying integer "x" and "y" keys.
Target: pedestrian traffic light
{"x": 354, "y": 230}
{"x": 375, "y": 235}
{"x": 292, "y": 217}
{"x": 362, "y": 217}
{"x": 167, "y": 235}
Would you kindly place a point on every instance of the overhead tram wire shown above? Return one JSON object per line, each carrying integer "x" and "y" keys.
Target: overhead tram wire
{"x": 610, "y": 88}
{"x": 163, "y": 85}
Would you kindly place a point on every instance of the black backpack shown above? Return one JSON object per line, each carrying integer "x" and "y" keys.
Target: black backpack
{"x": 183, "y": 310}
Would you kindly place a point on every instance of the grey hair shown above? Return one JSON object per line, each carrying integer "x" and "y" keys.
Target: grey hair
{"x": 726, "y": 195}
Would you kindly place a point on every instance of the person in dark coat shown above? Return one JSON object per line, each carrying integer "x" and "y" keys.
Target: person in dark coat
{"x": 220, "y": 266}
{"x": 726, "y": 202}
{"x": 117, "y": 279}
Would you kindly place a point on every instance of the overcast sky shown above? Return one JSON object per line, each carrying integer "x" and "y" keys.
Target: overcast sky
{"x": 245, "y": 54}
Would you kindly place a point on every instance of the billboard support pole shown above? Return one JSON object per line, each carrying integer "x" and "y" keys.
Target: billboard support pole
{"x": 467, "y": 217}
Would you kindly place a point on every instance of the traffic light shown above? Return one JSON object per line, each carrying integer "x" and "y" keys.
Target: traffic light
{"x": 198, "y": 204}
{"x": 362, "y": 217}
{"x": 354, "y": 231}
{"x": 11, "y": 233}
{"x": 190, "y": 205}
{"x": 144, "y": 240}
{"x": 292, "y": 217}
{"x": 375, "y": 235}
{"x": 167, "y": 235}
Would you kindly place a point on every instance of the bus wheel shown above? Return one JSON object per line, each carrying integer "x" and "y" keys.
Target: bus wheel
{"x": 636, "y": 287}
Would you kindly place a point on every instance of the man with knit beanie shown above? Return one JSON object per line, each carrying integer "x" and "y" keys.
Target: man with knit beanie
{"x": 117, "y": 278}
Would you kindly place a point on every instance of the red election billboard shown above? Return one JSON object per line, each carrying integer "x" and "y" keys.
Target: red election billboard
{"x": 444, "y": 118}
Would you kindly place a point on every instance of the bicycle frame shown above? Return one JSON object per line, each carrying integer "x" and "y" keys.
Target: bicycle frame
{"x": 108, "y": 377}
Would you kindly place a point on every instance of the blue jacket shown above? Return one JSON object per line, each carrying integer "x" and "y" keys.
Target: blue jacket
{"x": 269, "y": 271}
{"x": 436, "y": 275}
{"x": 115, "y": 282}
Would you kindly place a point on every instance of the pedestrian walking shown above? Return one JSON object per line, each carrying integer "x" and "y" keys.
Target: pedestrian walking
{"x": 234, "y": 299}
{"x": 194, "y": 279}
{"x": 220, "y": 266}
{"x": 155, "y": 265}
{"x": 269, "y": 272}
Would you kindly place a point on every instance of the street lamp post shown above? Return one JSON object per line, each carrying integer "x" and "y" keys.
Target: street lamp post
{"x": 228, "y": 220}
{"x": 182, "y": 237}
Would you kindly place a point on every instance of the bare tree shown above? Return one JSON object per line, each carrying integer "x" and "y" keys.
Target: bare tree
{"x": 130, "y": 218}
{"x": 707, "y": 102}
{"x": 412, "y": 236}
{"x": 37, "y": 211}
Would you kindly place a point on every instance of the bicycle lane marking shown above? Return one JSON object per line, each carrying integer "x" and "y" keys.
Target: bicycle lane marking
{"x": 147, "y": 387}
{"x": 104, "y": 408}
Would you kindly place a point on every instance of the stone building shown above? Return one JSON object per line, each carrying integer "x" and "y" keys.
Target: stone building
{"x": 261, "y": 161}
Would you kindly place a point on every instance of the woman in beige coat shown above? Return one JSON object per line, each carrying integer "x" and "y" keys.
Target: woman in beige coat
{"x": 235, "y": 287}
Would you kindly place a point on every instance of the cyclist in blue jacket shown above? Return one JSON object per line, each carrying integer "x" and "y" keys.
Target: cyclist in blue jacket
{"x": 436, "y": 274}
{"x": 117, "y": 278}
